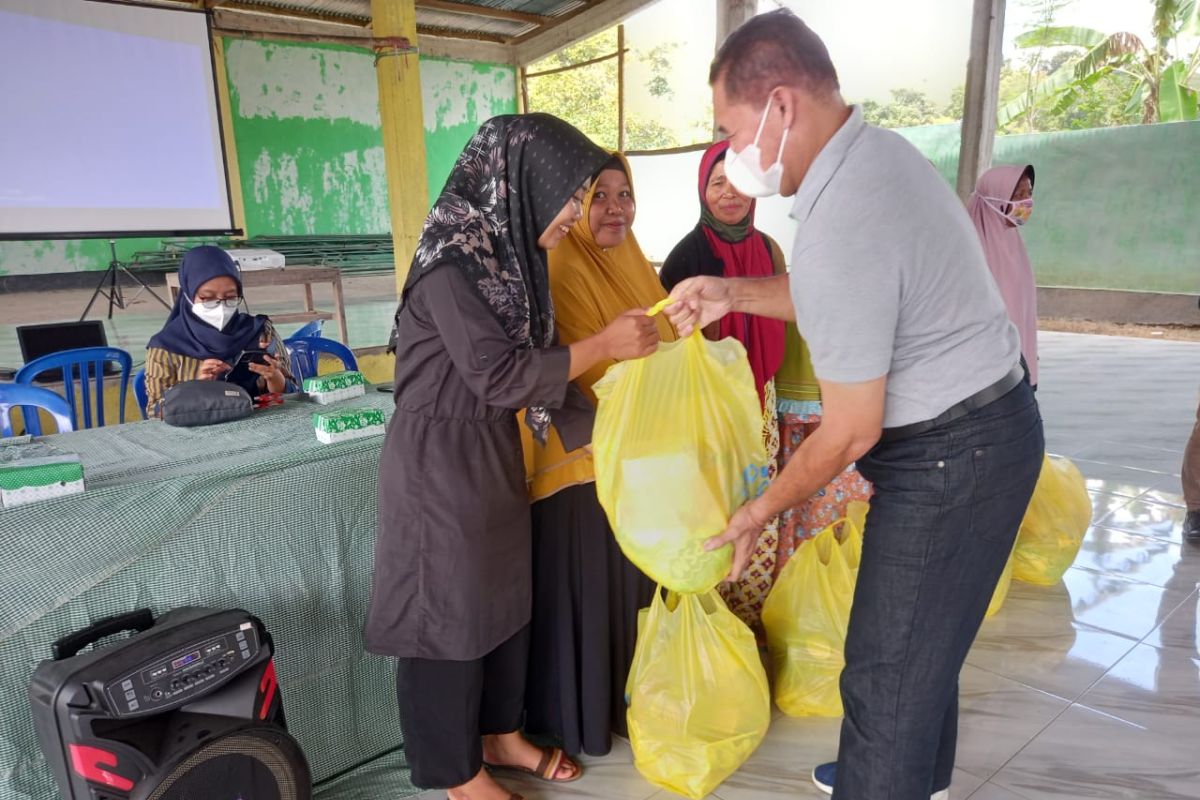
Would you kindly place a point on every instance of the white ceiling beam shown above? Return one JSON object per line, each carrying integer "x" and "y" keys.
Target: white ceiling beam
{"x": 466, "y": 49}
{"x": 232, "y": 20}
{"x": 593, "y": 19}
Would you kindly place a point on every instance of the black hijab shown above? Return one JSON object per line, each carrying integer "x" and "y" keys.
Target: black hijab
{"x": 511, "y": 181}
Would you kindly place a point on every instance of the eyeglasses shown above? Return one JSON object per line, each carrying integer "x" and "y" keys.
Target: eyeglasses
{"x": 228, "y": 302}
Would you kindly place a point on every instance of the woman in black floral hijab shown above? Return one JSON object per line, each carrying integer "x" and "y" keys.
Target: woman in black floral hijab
{"x": 475, "y": 341}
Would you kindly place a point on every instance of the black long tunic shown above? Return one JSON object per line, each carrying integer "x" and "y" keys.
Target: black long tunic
{"x": 452, "y": 553}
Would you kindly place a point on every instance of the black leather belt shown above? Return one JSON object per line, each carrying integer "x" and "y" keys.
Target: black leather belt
{"x": 973, "y": 403}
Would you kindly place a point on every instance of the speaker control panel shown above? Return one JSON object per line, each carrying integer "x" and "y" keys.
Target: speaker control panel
{"x": 189, "y": 672}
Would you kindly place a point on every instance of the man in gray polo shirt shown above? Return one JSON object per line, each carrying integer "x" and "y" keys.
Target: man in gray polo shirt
{"x": 921, "y": 384}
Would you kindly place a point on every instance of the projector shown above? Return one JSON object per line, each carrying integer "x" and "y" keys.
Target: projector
{"x": 256, "y": 259}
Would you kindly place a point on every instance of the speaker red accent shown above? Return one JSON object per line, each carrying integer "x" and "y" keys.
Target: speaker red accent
{"x": 267, "y": 687}
{"x": 89, "y": 764}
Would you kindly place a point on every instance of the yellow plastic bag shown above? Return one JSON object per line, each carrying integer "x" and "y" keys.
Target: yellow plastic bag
{"x": 678, "y": 448}
{"x": 1054, "y": 526}
{"x": 1001, "y": 592}
{"x": 806, "y": 616}
{"x": 699, "y": 704}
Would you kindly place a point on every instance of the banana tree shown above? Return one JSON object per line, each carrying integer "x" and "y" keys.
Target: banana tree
{"x": 1166, "y": 87}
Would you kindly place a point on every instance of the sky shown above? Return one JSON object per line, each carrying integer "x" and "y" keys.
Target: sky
{"x": 876, "y": 45}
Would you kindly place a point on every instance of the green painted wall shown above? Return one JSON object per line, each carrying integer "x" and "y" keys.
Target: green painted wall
{"x": 457, "y": 97}
{"x": 65, "y": 255}
{"x": 1114, "y": 208}
{"x": 310, "y": 147}
{"x": 309, "y": 142}
{"x": 306, "y": 124}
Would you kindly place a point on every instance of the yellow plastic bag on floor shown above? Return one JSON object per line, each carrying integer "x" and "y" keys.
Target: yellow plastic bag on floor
{"x": 1001, "y": 592}
{"x": 678, "y": 448}
{"x": 1055, "y": 523}
{"x": 806, "y": 616}
{"x": 699, "y": 704}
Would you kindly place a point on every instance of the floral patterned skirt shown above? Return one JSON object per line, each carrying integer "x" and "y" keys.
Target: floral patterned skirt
{"x": 783, "y": 434}
{"x": 745, "y": 597}
{"x": 823, "y": 508}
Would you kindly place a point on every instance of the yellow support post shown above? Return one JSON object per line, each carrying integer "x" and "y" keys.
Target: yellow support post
{"x": 231, "y": 159}
{"x": 398, "y": 73}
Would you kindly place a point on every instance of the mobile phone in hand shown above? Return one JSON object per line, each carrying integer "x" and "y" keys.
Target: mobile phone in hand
{"x": 251, "y": 357}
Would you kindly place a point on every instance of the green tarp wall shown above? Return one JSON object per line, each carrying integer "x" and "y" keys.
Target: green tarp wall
{"x": 1114, "y": 208}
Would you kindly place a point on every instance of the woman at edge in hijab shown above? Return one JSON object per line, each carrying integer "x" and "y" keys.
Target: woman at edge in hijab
{"x": 726, "y": 243}
{"x": 586, "y": 592}
{"x": 1001, "y": 203}
{"x": 451, "y": 590}
{"x": 206, "y": 335}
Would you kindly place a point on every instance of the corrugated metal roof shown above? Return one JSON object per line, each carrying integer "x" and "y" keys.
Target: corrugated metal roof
{"x": 356, "y": 9}
{"x": 436, "y": 20}
{"x": 545, "y": 8}
{"x": 452, "y": 21}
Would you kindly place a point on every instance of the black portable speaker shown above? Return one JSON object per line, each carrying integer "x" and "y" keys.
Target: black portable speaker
{"x": 186, "y": 709}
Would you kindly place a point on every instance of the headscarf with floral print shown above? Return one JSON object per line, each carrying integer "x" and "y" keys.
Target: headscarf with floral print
{"x": 511, "y": 181}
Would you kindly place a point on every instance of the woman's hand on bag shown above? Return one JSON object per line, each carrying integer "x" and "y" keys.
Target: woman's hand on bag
{"x": 698, "y": 302}
{"x": 212, "y": 368}
{"x": 742, "y": 532}
{"x": 631, "y": 335}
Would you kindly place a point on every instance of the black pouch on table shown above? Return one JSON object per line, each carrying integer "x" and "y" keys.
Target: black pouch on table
{"x": 194, "y": 403}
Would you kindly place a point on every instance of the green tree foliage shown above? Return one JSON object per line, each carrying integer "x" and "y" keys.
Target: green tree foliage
{"x": 907, "y": 109}
{"x": 1046, "y": 12}
{"x": 587, "y": 96}
{"x": 1151, "y": 74}
{"x": 1105, "y": 104}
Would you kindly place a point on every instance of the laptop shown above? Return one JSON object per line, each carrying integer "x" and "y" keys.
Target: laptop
{"x": 40, "y": 340}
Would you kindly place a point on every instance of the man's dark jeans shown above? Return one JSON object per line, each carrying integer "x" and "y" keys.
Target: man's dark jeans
{"x": 943, "y": 519}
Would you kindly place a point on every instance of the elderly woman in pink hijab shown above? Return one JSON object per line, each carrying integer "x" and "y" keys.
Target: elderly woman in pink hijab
{"x": 999, "y": 206}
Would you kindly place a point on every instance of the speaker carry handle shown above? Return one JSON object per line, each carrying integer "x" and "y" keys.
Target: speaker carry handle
{"x": 69, "y": 645}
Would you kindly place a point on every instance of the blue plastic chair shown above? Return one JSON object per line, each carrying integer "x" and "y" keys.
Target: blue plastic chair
{"x": 86, "y": 364}
{"x": 139, "y": 391}
{"x": 308, "y": 330}
{"x": 29, "y": 399}
{"x": 306, "y": 354}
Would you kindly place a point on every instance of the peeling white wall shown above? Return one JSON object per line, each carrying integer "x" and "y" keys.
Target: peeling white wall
{"x": 455, "y": 93}
{"x": 304, "y": 82}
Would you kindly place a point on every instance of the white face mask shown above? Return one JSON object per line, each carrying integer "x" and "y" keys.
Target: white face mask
{"x": 219, "y": 315}
{"x": 744, "y": 170}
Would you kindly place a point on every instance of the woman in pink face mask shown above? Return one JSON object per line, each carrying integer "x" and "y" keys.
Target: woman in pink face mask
{"x": 1001, "y": 203}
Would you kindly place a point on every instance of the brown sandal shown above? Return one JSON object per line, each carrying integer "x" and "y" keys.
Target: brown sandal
{"x": 553, "y": 758}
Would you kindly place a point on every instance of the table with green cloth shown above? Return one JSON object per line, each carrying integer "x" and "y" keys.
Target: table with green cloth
{"x": 254, "y": 514}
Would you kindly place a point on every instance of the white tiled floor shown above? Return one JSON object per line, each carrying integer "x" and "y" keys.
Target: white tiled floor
{"x": 1086, "y": 689}
{"x": 1090, "y": 688}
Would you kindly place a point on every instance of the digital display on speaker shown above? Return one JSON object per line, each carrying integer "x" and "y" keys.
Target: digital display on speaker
{"x": 183, "y": 661}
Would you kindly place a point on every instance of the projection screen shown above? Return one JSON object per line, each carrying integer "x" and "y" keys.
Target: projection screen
{"x": 111, "y": 125}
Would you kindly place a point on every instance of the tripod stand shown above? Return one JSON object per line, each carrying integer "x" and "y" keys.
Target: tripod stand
{"x": 113, "y": 293}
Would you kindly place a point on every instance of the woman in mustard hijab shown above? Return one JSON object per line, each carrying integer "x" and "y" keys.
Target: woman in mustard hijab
{"x": 586, "y": 594}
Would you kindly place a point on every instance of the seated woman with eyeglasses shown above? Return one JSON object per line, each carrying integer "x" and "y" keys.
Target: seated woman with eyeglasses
{"x": 207, "y": 338}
